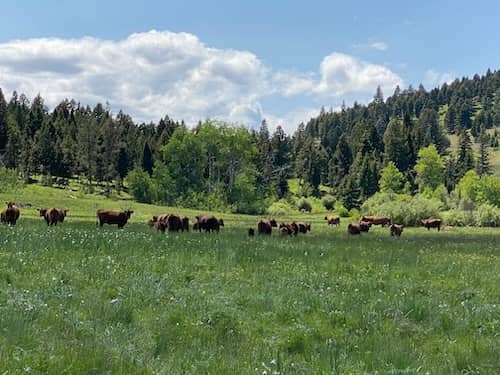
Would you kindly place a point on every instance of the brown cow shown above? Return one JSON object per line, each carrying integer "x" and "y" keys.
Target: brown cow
{"x": 396, "y": 229}
{"x": 376, "y": 220}
{"x": 333, "y": 220}
{"x": 185, "y": 224}
{"x": 285, "y": 230}
{"x": 174, "y": 223}
{"x": 303, "y": 227}
{"x": 432, "y": 223}
{"x": 364, "y": 226}
{"x": 353, "y": 229}
{"x": 11, "y": 214}
{"x": 119, "y": 218}
{"x": 292, "y": 227}
{"x": 208, "y": 223}
{"x": 53, "y": 216}
{"x": 266, "y": 227}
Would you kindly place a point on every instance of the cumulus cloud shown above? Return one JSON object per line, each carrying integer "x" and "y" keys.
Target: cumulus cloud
{"x": 155, "y": 73}
{"x": 433, "y": 78}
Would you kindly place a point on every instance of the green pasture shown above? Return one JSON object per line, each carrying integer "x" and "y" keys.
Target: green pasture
{"x": 76, "y": 299}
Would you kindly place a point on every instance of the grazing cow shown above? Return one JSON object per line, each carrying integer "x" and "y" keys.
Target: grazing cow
{"x": 376, "y": 220}
{"x": 333, "y": 220}
{"x": 11, "y": 214}
{"x": 353, "y": 229}
{"x": 53, "y": 216}
{"x": 285, "y": 230}
{"x": 174, "y": 223}
{"x": 303, "y": 227}
{"x": 396, "y": 229}
{"x": 432, "y": 223}
{"x": 251, "y": 232}
{"x": 266, "y": 227}
{"x": 208, "y": 223}
{"x": 119, "y": 218}
{"x": 292, "y": 228}
{"x": 364, "y": 226}
{"x": 185, "y": 224}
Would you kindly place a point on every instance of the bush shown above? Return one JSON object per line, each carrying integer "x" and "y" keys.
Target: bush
{"x": 341, "y": 210}
{"x": 328, "y": 201}
{"x": 279, "y": 208}
{"x": 8, "y": 180}
{"x": 458, "y": 218}
{"x": 354, "y": 213}
{"x": 203, "y": 201}
{"x": 140, "y": 185}
{"x": 304, "y": 205}
{"x": 402, "y": 208}
{"x": 487, "y": 215}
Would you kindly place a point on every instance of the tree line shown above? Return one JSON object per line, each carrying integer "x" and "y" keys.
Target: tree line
{"x": 220, "y": 166}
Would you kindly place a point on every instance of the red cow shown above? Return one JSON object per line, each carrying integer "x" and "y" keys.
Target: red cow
{"x": 396, "y": 229}
{"x": 119, "y": 218}
{"x": 376, "y": 220}
{"x": 432, "y": 223}
{"x": 353, "y": 229}
{"x": 11, "y": 214}
{"x": 266, "y": 227}
{"x": 333, "y": 220}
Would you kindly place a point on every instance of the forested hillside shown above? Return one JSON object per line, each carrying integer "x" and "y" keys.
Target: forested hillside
{"x": 219, "y": 166}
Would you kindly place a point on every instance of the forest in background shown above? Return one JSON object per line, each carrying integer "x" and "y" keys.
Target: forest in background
{"x": 347, "y": 159}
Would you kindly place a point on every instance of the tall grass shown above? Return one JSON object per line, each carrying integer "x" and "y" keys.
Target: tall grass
{"x": 78, "y": 299}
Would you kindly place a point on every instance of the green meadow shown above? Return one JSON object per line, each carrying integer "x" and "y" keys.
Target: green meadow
{"x": 77, "y": 299}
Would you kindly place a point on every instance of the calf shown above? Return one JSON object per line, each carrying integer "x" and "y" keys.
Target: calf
{"x": 396, "y": 229}
{"x": 364, "y": 226}
{"x": 432, "y": 223}
{"x": 303, "y": 227}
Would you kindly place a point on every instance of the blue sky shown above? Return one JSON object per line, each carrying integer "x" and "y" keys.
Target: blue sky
{"x": 240, "y": 61}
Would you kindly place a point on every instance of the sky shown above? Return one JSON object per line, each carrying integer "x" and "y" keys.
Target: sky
{"x": 239, "y": 61}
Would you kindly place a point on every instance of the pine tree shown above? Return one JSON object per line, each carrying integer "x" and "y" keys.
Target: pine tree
{"x": 3, "y": 123}
{"x": 45, "y": 151}
{"x": 147, "y": 159}
{"x": 396, "y": 146}
{"x": 465, "y": 157}
{"x": 379, "y": 96}
{"x": 88, "y": 145}
{"x": 483, "y": 162}
{"x": 340, "y": 163}
{"x": 496, "y": 108}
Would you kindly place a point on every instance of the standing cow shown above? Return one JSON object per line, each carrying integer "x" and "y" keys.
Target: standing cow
{"x": 376, "y": 220}
{"x": 432, "y": 223}
{"x": 396, "y": 229}
{"x": 11, "y": 214}
{"x": 53, "y": 216}
{"x": 332, "y": 220}
{"x": 208, "y": 223}
{"x": 266, "y": 226}
{"x": 119, "y": 218}
{"x": 354, "y": 229}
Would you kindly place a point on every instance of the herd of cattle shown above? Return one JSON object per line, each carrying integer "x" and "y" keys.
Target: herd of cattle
{"x": 209, "y": 223}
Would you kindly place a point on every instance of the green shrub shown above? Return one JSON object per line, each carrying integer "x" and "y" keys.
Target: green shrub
{"x": 341, "y": 210}
{"x": 279, "y": 208}
{"x": 304, "y": 205}
{"x": 402, "y": 208}
{"x": 458, "y": 218}
{"x": 203, "y": 201}
{"x": 328, "y": 201}
{"x": 487, "y": 215}
{"x": 140, "y": 185}
{"x": 354, "y": 213}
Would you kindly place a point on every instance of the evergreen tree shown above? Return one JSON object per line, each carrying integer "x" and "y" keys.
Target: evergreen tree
{"x": 147, "y": 159}
{"x": 496, "y": 108}
{"x": 340, "y": 163}
{"x": 483, "y": 162}
{"x": 379, "y": 96}
{"x": 465, "y": 158}
{"x": 45, "y": 148}
{"x": 88, "y": 143}
{"x": 3, "y": 123}
{"x": 450, "y": 174}
{"x": 396, "y": 146}
{"x": 429, "y": 132}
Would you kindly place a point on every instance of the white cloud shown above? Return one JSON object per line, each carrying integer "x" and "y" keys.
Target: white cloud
{"x": 378, "y": 45}
{"x": 155, "y": 73}
{"x": 433, "y": 78}
{"x": 343, "y": 74}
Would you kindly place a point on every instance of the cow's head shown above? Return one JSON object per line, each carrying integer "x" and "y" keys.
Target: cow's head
{"x": 129, "y": 213}
{"x": 9, "y": 204}
{"x": 42, "y": 211}
{"x": 221, "y": 222}
{"x": 273, "y": 223}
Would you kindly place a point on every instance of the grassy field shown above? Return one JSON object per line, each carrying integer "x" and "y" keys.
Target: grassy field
{"x": 80, "y": 300}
